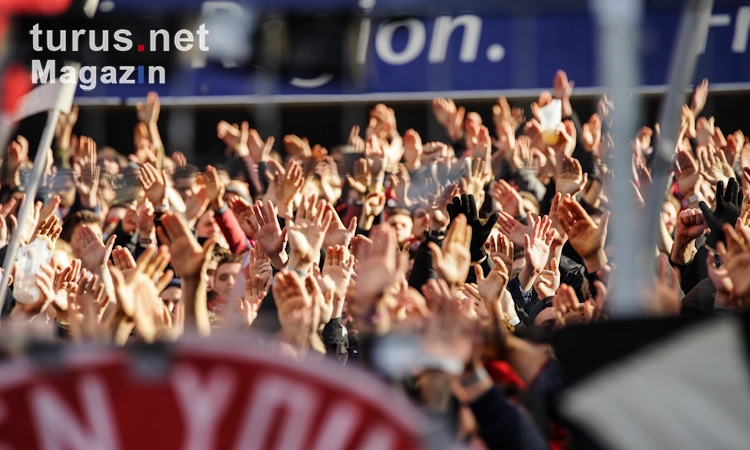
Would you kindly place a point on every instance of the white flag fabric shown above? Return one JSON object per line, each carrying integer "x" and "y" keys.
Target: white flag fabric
{"x": 690, "y": 390}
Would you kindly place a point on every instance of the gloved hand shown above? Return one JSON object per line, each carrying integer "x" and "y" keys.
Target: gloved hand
{"x": 728, "y": 209}
{"x": 467, "y": 206}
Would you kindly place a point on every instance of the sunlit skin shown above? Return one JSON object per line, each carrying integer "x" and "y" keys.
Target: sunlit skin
{"x": 209, "y": 274}
{"x": 403, "y": 226}
{"x": 171, "y": 296}
{"x": 669, "y": 216}
{"x": 224, "y": 279}
{"x": 421, "y": 222}
{"x": 95, "y": 227}
{"x": 186, "y": 187}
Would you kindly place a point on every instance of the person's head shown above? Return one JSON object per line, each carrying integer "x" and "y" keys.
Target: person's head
{"x": 106, "y": 191}
{"x": 207, "y": 227}
{"x": 226, "y": 274}
{"x": 219, "y": 254}
{"x": 172, "y": 294}
{"x": 400, "y": 220}
{"x": 110, "y": 160}
{"x": 530, "y": 203}
{"x": 237, "y": 188}
{"x": 185, "y": 179}
{"x": 420, "y": 218}
{"x": 72, "y": 226}
{"x": 65, "y": 186}
{"x": 669, "y": 211}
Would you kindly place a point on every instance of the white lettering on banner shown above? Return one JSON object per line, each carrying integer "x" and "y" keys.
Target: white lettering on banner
{"x": 441, "y": 35}
{"x": 339, "y": 427}
{"x": 44, "y": 76}
{"x": 414, "y": 43}
{"x": 57, "y": 425}
{"x": 716, "y": 20}
{"x": 379, "y": 438}
{"x": 741, "y": 28}
{"x": 268, "y": 399}
{"x": 202, "y": 403}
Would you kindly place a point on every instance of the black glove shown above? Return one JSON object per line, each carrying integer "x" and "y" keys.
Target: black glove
{"x": 728, "y": 209}
{"x": 479, "y": 233}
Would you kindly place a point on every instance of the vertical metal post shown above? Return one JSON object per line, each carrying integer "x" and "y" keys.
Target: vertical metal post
{"x": 36, "y": 176}
{"x": 619, "y": 37}
{"x": 690, "y": 38}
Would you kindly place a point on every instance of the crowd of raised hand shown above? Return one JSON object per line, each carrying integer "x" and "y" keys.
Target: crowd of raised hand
{"x": 467, "y": 246}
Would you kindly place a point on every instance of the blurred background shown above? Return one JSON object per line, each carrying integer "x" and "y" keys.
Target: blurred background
{"x": 315, "y": 68}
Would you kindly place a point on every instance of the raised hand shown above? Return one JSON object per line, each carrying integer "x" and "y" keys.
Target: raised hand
{"x": 355, "y": 140}
{"x": 566, "y": 138}
{"x": 288, "y": 183}
{"x": 536, "y": 251}
{"x": 591, "y": 133}
{"x": 449, "y": 116}
{"x": 570, "y": 177}
{"x": 474, "y": 182}
{"x": 688, "y": 174}
{"x": 480, "y": 232}
{"x": 452, "y": 261}
{"x": 508, "y": 198}
{"x": 563, "y": 90}
{"x": 338, "y": 268}
{"x": 362, "y": 177}
{"x": 234, "y": 137}
{"x": 728, "y": 208}
{"x": 548, "y": 280}
{"x": 154, "y": 182}
{"x": 298, "y": 314}
{"x": 691, "y": 224}
{"x": 149, "y": 113}
{"x": 306, "y": 233}
{"x": 190, "y": 256}
{"x": 17, "y": 154}
{"x": 196, "y": 204}
{"x": 214, "y": 188}
{"x": 502, "y": 112}
{"x": 700, "y": 95}
{"x": 297, "y": 146}
{"x": 412, "y": 149}
{"x": 260, "y": 150}
{"x": 259, "y": 265}
{"x": 400, "y": 183}
{"x": 337, "y": 233}
{"x": 123, "y": 260}
{"x": 513, "y": 229}
{"x": 379, "y": 270}
{"x": 492, "y": 287}
{"x": 138, "y": 289}
{"x": 145, "y": 220}
{"x": 94, "y": 252}
{"x": 586, "y": 238}
{"x": 568, "y": 311}
{"x": 48, "y": 230}
{"x": 268, "y": 234}
{"x": 88, "y": 182}
{"x": 439, "y": 215}
{"x": 248, "y": 307}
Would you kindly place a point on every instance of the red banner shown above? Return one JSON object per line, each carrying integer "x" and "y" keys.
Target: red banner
{"x": 213, "y": 394}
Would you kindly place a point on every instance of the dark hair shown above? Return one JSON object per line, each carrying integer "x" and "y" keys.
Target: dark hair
{"x": 82, "y": 217}
{"x": 229, "y": 259}
{"x": 220, "y": 253}
{"x": 184, "y": 172}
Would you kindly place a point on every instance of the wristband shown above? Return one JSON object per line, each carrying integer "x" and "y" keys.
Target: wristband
{"x": 686, "y": 202}
{"x": 161, "y": 208}
{"x": 514, "y": 321}
{"x": 301, "y": 273}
